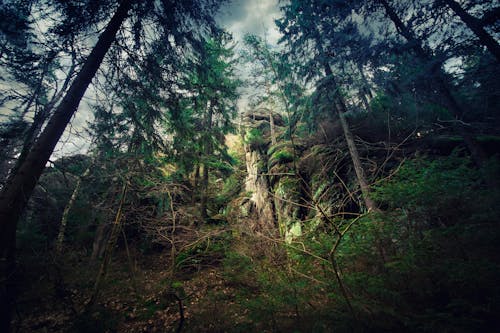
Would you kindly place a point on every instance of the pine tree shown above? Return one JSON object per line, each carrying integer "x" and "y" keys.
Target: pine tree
{"x": 170, "y": 17}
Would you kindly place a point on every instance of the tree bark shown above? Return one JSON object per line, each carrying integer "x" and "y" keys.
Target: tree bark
{"x": 271, "y": 125}
{"x": 115, "y": 231}
{"x": 69, "y": 205}
{"x": 351, "y": 145}
{"x": 358, "y": 167}
{"x": 15, "y": 194}
{"x": 341, "y": 108}
{"x": 475, "y": 25}
{"x": 207, "y": 152}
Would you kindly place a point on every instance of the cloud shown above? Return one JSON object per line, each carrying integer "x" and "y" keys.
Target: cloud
{"x": 251, "y": 16}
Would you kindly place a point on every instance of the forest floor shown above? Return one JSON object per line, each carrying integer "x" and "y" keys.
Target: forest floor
{"x": 140, "y": 302}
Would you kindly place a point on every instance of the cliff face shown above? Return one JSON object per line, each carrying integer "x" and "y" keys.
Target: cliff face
{"x": 277, "y": 189}
{"x": 295, "y": 186}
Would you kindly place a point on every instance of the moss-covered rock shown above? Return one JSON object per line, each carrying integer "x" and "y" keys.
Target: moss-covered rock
{"x": 286, "y": 201}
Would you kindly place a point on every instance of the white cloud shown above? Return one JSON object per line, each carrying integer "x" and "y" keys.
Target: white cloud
{"x": 253, "y": 17}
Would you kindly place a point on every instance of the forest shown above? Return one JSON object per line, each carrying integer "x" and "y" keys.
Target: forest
{"x": 357, "y": 190}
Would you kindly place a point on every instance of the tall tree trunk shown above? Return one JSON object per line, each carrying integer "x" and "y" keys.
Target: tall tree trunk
{"x": 39, "y": 120}
{"x": 351, "y": 145}
{"x": 204, "y": 194}
{"x": 450, "y": 102}
{"x": 208, "y": 150}
{"x": 271, "y": 125}
{"x": 99, "y": 243}
{"x": 196, "y": 182}
{"x": 358, "y": 167}
{"x": 475, "y": 25}
{"x": 15, "y": 194}
{"x": 341, "y": 108}
{"x": 69, "y": 205}
{"x": 271, "y": 118}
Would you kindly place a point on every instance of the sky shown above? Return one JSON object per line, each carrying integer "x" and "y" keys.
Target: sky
{"x": 251, "y": 16}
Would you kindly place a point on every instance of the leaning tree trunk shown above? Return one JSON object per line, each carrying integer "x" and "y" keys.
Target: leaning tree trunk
{"x": 17, "y": 191}
{"x": 351, "y": 145}
{"x": 356, "y": 161}
{"x": 477, "y": 28}
{"x": 341, "y": 108}
{"x": 39, "y": 121}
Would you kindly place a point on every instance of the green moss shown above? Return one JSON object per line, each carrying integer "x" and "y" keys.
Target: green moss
{"x": 283, "y": 156}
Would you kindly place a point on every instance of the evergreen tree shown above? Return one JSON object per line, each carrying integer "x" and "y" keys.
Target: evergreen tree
{"x": 181, "y": 20}
{"x": 212, "y": 105}
{"x": 316, "y": 24}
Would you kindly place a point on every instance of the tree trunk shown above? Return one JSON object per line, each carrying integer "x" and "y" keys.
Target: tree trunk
{"x": 204, "y": 194}
{"x": 7, "y": 167}
{"x": 271, "y": 125}
{"x": 39, "y": 121}
{"x": 15, "y": 194}
{"x": 115, "y": 231}
{"x": 69, "y": 205}
{"x": 358, "y": 167}
{"x": 207, "y": 152}
{"x": 341, "y": 108}
{"x": 475, "y": 25}
{"x": 271, "y": 118}
{"x": 98, "y": 245}
{"x": 353, "y": 151}
{"x": 196, "y": 182}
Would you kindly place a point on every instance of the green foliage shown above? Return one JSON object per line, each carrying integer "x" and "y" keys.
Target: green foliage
{"x": 31, "y": 236}
{"x": 430, "y": 257}
{"x": 283, "y": 156}
{"x": 222, "y": 166}
{"x": 254, "y": 138}
{"x": 230, "y": 190}
{"x": 443, "y": 191}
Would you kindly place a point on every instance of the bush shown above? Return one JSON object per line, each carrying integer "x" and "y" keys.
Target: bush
{"x": 429, "y": 260}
